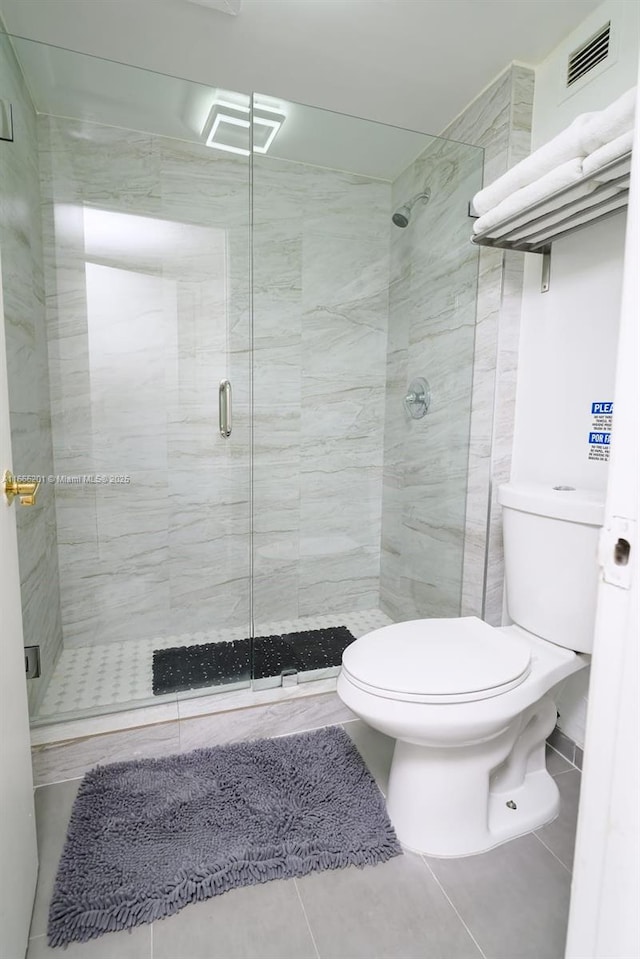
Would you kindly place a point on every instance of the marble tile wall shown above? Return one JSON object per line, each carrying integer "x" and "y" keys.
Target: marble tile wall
{"x": 148, "y": 306}
{"x": 23, "y": 293}
{"x": 431, "y": 334}
{"x": 145, "y": 306}
{"x": 499, "y": 120}
{"x": 321, "y": 278}
{"x": 441, "y": 520}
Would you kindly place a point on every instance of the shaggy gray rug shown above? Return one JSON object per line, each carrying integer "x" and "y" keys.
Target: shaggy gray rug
{"x": 148, "y": 837}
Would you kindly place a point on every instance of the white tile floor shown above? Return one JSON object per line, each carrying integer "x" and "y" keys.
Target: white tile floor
{"x": 88, "y": 679}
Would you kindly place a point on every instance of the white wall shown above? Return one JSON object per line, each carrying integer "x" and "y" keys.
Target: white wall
{"x": 567, "y": 356}
{"x": 569, "y": 335}
{"x": 554, "y": 106}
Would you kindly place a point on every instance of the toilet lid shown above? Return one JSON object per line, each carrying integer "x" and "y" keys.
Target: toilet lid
{"x": 437, "y": 660}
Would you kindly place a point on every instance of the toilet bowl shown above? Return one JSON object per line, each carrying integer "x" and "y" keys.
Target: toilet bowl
{"x": 468, "y": 769}
{"x": 471, "y": 705}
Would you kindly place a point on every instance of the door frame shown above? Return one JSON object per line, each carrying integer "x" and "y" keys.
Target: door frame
{"x": 603, "y": 917}
{"x": 18, "y": 845}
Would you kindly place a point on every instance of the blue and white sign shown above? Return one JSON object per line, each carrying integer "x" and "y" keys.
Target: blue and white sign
{"x": 600, "y": 430}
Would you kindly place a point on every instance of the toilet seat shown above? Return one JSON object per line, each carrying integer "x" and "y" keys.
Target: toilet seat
{"x": 437, "y": 661}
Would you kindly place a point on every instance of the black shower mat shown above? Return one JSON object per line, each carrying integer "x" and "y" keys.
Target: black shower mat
{"x": 216, "y": 664}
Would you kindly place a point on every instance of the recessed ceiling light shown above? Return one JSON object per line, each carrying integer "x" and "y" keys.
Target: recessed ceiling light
{"x": 227, "y": 127}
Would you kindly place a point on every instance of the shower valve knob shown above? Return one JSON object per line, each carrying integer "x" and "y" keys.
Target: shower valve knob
{"x": 418, "y": 398}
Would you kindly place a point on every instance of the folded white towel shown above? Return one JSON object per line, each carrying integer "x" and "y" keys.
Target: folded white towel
{"x": 566, "y": 146}
{"x": 607, "y": 125}
{"x": 554, "y": 217}
{"x": 558, "y": 178}
{"x": 610, "y": 151}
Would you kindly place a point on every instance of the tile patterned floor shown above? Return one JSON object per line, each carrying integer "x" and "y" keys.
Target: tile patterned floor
{"x": 509, "y": 903}
{"x": 118, "y": 675}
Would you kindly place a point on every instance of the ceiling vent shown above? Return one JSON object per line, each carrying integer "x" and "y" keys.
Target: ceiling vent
{"x": 589, "y": 55}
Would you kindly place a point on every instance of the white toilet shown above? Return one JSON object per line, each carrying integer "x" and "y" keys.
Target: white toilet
{"x": 471, "y": 705}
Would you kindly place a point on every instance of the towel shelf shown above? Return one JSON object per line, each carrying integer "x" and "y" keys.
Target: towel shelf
{"x": 586, "y": 201}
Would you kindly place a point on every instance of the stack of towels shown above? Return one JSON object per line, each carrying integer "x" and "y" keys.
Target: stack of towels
{"x": 591, "y": 142}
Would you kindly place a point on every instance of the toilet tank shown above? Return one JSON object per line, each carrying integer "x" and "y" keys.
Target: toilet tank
{"x": 550, "y": 554}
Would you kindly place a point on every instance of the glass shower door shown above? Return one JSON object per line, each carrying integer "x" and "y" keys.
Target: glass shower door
{"x": 321, "y": 273}
{"x": 135, "y": 561}
{"x": 364, "y": 280}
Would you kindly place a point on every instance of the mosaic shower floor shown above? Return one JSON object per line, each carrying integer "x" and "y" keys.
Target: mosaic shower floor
{"x": 119, "y": 675}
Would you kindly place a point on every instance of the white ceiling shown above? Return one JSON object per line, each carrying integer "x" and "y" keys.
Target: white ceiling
{"x": 413, "y": 63}
{"x": 67, "y": 84}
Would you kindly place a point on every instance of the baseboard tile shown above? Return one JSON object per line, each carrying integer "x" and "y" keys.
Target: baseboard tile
{"x": 60, "y": 761}
{"x": 567, "y": 748}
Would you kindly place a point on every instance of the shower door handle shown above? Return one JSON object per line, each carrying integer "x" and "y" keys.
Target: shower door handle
{"x": 224, "y": 407}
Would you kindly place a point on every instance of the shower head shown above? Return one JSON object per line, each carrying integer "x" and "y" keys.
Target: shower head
{"x": 403, "y": 214}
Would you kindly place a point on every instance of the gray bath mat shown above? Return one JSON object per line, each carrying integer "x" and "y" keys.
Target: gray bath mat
{"x": 148, "y": 837}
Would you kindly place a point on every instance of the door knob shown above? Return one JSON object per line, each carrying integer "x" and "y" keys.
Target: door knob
{"x": 25, "y": 491}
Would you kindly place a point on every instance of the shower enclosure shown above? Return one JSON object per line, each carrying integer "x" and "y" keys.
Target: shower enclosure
{"x": 213, "y": 325}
